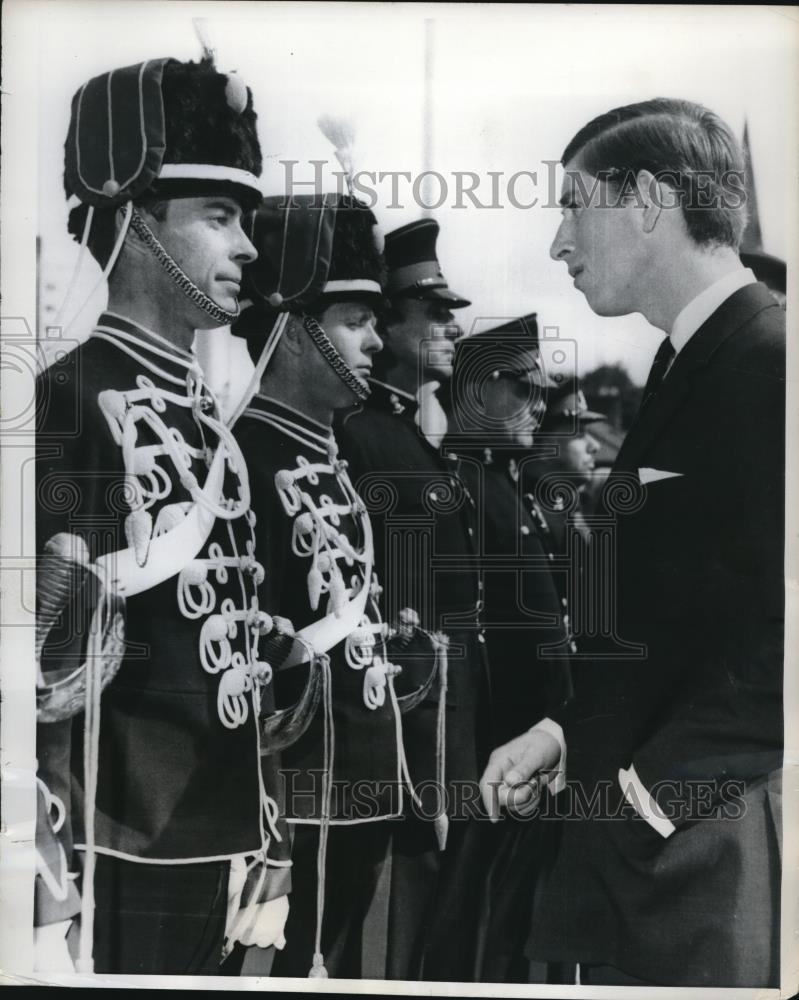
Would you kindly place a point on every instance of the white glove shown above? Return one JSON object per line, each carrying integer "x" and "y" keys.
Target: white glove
{"x": 50, "y": 951}
{"x": 261, "y": 925}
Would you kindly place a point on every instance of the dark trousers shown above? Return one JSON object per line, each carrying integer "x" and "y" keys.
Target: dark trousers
{"x": 355, "y": 855}
{"x": 566, "y": 974}
{"x": 160, "y": 919}
{"x": 433, "y": 902}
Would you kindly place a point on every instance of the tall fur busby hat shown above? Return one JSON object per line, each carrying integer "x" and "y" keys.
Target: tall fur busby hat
{"x": 165, "y": 128}
{"x": 312, "y": 250}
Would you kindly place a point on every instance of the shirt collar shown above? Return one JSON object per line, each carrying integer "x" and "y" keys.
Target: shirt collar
{"x": 706, "y": 303}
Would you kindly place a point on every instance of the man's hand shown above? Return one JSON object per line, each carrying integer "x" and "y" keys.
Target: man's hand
{"x": 517, "y": 771}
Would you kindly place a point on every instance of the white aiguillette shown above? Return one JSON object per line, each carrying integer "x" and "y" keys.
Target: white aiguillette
{"x": 647, "y": 475}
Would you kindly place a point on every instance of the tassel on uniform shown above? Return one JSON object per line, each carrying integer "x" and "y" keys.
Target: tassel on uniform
{"x": 169, "y": 517}
{"x": 138, "y": 532}
{"x": 338, "y": 594}
{"x": 441, "y": 826}
{"x": 441, "y": 642}
{"x": 315, "y": 582}
{"x": 318, "y": 970}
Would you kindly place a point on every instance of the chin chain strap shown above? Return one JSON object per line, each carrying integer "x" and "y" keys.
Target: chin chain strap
{"x": 356, "y": 385}
{"x": 178, "y": 275}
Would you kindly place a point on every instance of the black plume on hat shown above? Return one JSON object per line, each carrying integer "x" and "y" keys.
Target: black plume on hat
{"x": 201, "y": 124}
{"x": 356, "y": 254}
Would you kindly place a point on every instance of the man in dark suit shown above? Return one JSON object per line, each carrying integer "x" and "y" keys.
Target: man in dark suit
{"x": 669, "y": 868}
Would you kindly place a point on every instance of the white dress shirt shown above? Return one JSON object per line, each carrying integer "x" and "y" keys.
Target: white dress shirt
{"x": 702, "y": 307}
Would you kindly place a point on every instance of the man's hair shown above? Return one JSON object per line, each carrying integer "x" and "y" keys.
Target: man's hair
{"x": 684, "y": 145}
{"x": 103, "y": 234}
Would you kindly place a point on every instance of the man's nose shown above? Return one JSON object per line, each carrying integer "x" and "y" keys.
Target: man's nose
{"x": 592, "y": 444}
{"x": 374, "y": 342}
{"x": 245, "y": 251}
{"x": 561, "y": 245}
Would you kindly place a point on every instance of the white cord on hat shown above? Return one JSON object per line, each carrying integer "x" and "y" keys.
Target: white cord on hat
{"x": 73, "y": 278}
{"x": 266, "y": 354}
{"x": 109, "y": 267}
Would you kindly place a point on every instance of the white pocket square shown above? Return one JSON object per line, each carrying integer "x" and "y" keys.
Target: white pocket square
{"x": 653, "y": 475}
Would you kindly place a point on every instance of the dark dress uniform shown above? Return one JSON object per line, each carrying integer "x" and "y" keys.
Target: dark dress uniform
{"x": 317, "y": 537}
{"x": 426, "y": 536}
{"x": 529, "y": 649}
{"x": 131, "y": 456}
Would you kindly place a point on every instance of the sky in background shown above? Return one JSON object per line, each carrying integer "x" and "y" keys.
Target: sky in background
{"x": 508, "y": 88}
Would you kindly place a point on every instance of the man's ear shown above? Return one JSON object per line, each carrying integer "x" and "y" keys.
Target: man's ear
{"x": 293, "y": 335}
{"x": 652, "y": 196}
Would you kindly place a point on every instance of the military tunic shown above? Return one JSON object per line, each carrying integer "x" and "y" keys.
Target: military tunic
{"x": 529, "y": 645}
{"x": 317, "y": 539}
{"x": 133, "y": 460}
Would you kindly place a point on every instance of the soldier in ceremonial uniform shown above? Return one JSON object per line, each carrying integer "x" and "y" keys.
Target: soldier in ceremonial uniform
{"x": 425, "y": 527}
{"x": 312, "y": 334}
{"x": 498, "y": 398}
{"x": 151, "y": 680}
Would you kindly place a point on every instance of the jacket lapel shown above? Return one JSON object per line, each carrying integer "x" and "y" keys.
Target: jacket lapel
{"x": 731, "y": 315}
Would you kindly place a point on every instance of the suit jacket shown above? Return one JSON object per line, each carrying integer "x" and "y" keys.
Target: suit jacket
{"x": 699, "y": 559}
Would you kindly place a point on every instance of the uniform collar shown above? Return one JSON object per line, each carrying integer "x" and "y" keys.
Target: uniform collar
{"x": 389, "y": 397}
{"x": 150, "y": 349}
{"x": 705, "y": 304}
{"x": 290, "y": 422}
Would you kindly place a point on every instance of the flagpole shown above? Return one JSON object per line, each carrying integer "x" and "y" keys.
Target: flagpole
{"x": 427, "y": 109}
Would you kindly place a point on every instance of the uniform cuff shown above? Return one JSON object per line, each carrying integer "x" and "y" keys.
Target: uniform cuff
{"x": 639, "y": 798}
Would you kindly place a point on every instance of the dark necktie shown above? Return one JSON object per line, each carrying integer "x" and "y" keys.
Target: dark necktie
{"x": 657, "y": 372}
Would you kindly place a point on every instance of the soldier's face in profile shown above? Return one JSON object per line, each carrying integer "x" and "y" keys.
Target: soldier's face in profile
{"x": 352, "y": 329}
{"x": 599, "y": 240}
{"x": 577, "y": 454}
{"x": 513, "y": 399}
{"x": 205, "y": 238}
{"x": 422, "y": 338}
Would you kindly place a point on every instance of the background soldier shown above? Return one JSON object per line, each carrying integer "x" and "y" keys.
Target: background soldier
{"x": 566, "y": 425}
{"x": 316, "y": 285}
{"x": 147, "y": 570}
{"x": 499, "y": 390}
{"x": 394, "y": 450}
